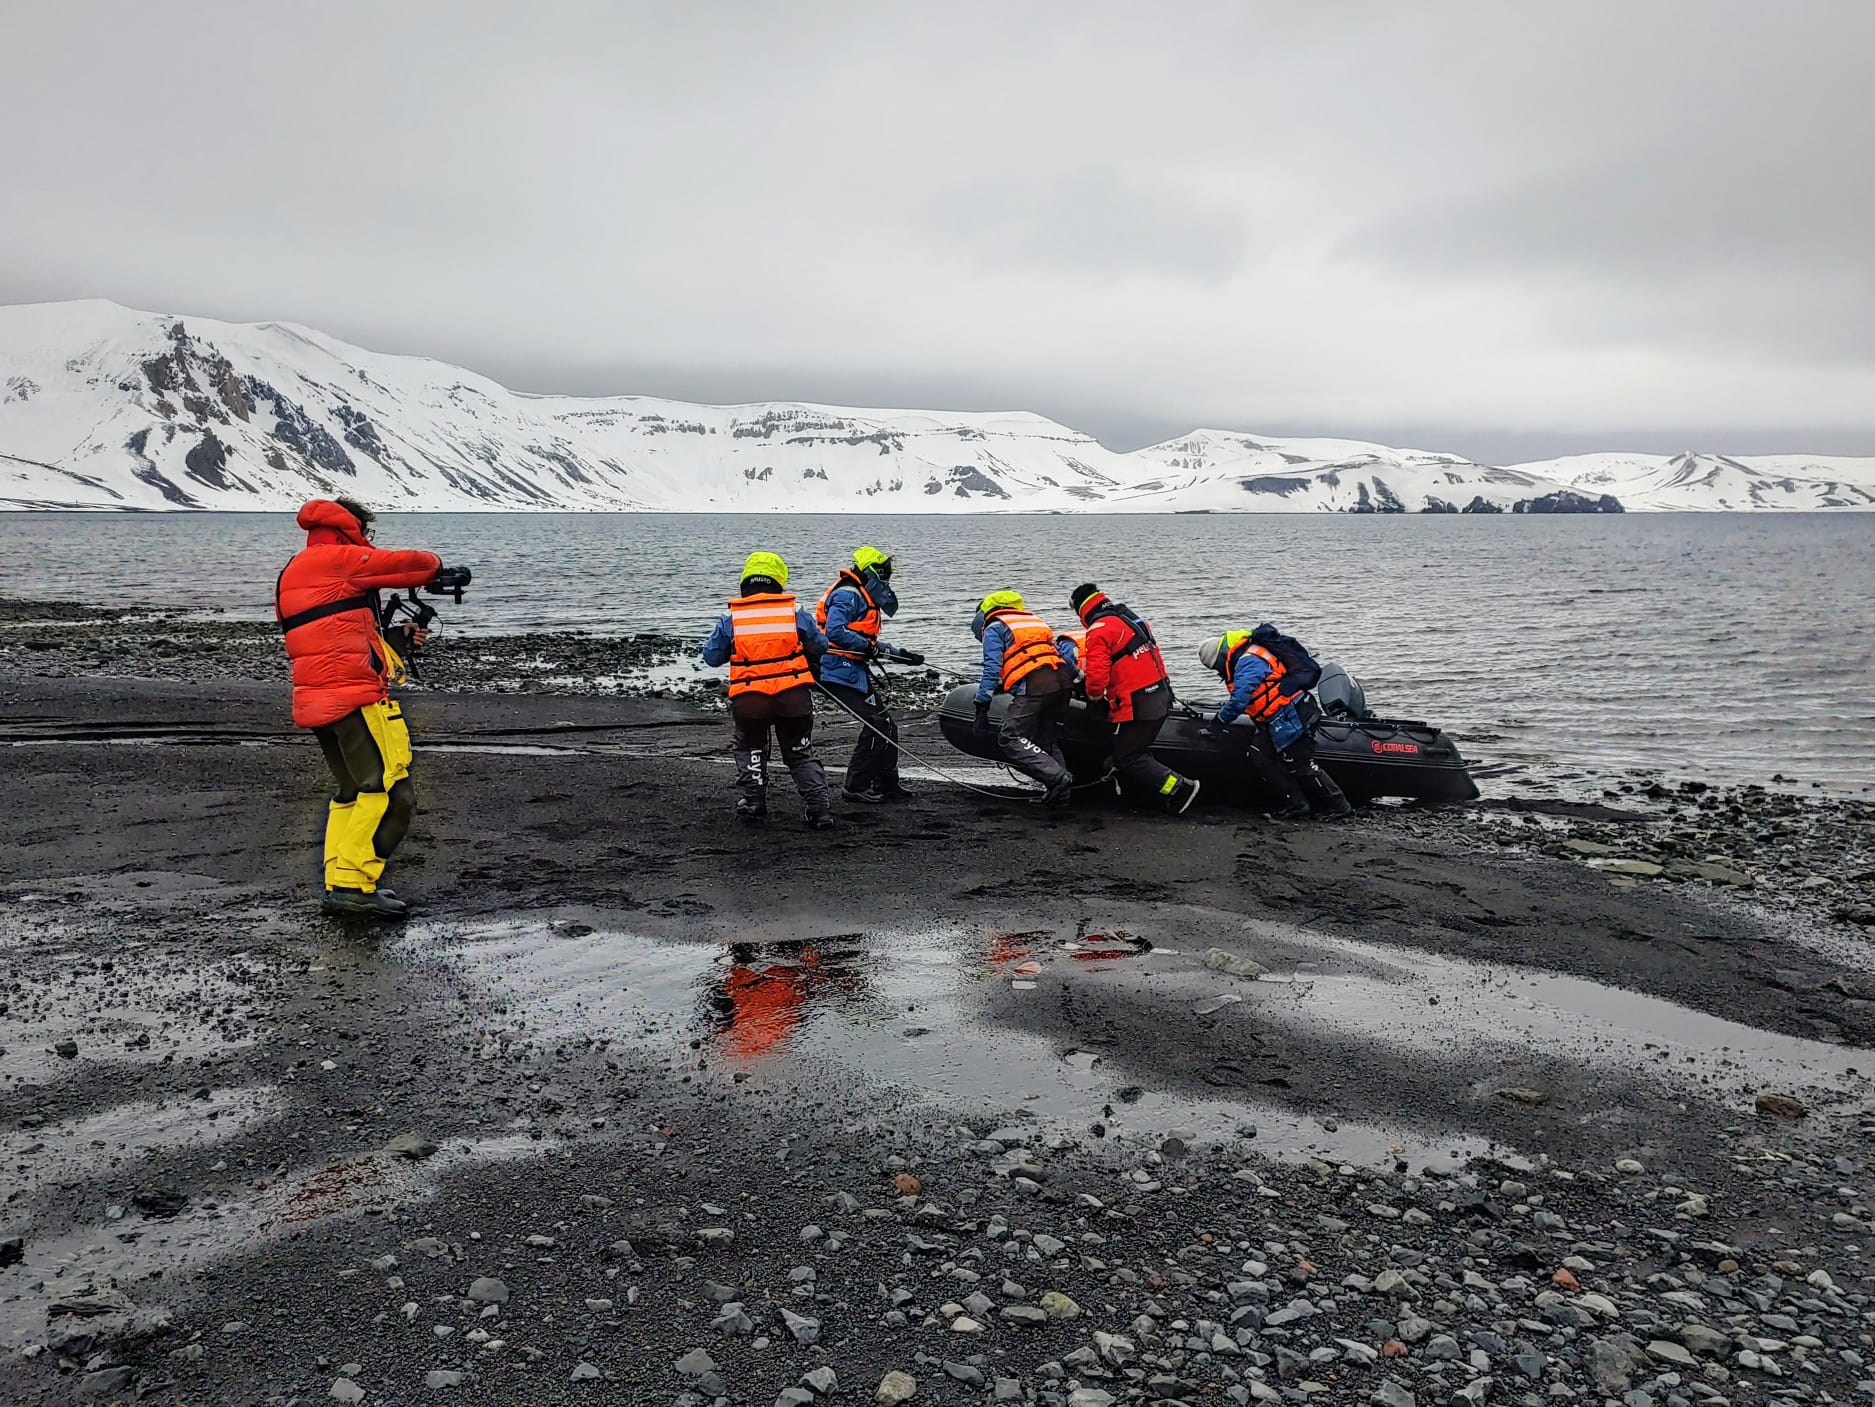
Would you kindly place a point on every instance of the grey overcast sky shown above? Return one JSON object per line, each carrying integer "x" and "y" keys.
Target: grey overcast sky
{"x": 1509, "y": 229}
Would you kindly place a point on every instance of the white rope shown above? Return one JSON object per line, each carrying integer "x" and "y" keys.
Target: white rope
{"x": 926, "y": 763}
{"x": 921, "y": 761}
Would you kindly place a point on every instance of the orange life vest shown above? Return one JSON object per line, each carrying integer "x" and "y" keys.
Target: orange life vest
{"x": 1078, "y": 638}
{"x": 1031, "y": 646}
{"x": 1269, "y": 698}
{"x": 866, "y": 625}
{"x": 767, "y": 657}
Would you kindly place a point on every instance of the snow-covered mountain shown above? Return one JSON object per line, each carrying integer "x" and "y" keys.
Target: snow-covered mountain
{"x": 1716, "y": 482}
{"x": 1218, "y": 470}
{"x": 102, "y": 407}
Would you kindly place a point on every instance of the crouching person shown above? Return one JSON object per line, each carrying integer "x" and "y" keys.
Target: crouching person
{"x": 1023, "y": 658}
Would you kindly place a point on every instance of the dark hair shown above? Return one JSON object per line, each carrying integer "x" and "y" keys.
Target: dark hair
{"x": 1081, "y": 593}
{"x": 363, "y": 514}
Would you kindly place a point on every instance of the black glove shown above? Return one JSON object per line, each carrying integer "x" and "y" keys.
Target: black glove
{"x": 909, "y": 657}
{"x": 982, "y": 728}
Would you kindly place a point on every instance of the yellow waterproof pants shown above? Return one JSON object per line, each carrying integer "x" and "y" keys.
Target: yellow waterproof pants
{"x": 369, "y": 754}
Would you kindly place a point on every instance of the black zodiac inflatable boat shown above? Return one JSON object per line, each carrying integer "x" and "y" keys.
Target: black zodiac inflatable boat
{"x": 1368, "y": 757}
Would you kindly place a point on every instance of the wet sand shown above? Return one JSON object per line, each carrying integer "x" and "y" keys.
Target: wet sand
{"x": 644, "y": 1050}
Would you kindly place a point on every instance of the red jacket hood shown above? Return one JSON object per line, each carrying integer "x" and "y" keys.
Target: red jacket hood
{"x": 326, "y": 522}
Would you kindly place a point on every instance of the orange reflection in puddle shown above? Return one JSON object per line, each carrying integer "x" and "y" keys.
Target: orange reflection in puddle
{"x": 343, "y": 1187}
{"x": 1007, "y": 949}
{"x": 769, "y": 989}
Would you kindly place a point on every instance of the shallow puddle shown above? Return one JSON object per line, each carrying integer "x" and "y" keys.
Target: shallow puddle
{"x": 859, "y": 1015}
{"x": 1425, "y": 1002}
{"x": 121, "y": 1135}
{"x": 142, "y": 1263}
{"x": 141, "y": 1006}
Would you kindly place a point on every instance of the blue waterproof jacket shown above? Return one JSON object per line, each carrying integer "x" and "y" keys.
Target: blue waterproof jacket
{"x": 1285, "y": 727}
{"x": 997, "y": 638}
{"x": 843, "y": 608}
{"x": 722, "y": 640}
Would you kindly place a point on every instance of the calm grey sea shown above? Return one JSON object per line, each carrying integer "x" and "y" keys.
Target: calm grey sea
{"x": 1726, "y": 646}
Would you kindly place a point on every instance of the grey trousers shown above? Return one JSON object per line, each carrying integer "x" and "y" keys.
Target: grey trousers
{"x": 794, "y": 736}
{"x": 1030, "y": 738}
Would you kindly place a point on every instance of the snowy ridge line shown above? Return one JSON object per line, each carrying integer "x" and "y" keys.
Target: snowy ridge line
{"x": 103, "y": 407}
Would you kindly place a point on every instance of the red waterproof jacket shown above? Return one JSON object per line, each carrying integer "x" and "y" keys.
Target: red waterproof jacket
{"x": 338, "y": 665}
{"x": 1121, "y": 659}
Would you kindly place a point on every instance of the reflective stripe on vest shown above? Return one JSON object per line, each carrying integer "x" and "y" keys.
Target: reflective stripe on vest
{"x": 1031, "y": 646}
{"x": 866, "y": 625}
{"x": 766, "y": 657}
{"x": 1268, "y": 698}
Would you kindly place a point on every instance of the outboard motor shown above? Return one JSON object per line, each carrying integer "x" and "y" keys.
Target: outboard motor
{"x": 1340, "y": 693}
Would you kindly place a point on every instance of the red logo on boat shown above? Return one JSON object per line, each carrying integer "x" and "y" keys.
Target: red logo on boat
{"x": 1408, "y": 748}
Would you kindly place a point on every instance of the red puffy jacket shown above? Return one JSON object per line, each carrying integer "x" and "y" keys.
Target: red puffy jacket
{"x": 338, "y": 665}
{"x": 1121, "y": 658}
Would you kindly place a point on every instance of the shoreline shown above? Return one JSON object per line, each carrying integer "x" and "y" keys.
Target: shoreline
{"x": 629, "y": 1051}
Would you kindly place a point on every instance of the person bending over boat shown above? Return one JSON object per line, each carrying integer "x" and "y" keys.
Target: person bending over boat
{"x": 1121, "y": 667}
{"x": 850, "y": 613}
{"x": 1022, "y": 658}
{"x": 770, "y": 646}
{"x": 1264, "y": 692}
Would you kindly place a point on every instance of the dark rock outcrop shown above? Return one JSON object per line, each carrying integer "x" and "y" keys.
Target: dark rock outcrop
{"x": 1569, "y": 501}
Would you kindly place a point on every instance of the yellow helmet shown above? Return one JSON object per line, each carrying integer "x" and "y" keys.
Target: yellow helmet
{"x": 766, "y": 564}
{"x": 1000, "y": 600}
{"x": 870, "y": 557}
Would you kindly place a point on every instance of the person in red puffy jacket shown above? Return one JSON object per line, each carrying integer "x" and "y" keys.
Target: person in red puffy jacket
{"x": 1123, "y": 668}
{"x": 343, "y": 668}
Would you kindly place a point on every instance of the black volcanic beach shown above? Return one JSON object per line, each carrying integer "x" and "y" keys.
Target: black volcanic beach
{"x": 1527, "y": 1100}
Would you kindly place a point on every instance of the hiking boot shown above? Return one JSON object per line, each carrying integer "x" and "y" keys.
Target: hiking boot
{"x": 1334, "y": 810}
{"x": 822, "y": 821}
{"x": 895, "y": 792}
{"x": 869, "y": 796}
{"x": 1060, "y": 794}
{"x": 1294, "y": 811}
{"x": 355, "y": 903}
{"x": 1181, "y": 796}
{"x": 747, "y": 810}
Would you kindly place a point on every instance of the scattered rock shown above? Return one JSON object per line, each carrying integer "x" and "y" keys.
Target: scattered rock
{"x": 486, "y": 1289}
{"x": 1231, "y": 965}
{"x": 1059, "y": 1306}
{"x": 805, "y": 1329}
{"x": 413, "y": 1146}
{"x": 1641, "y": 869}
{"x": 1781, "y": 1106}
{"x": 104, "y": 1382}
{"x": 345, "y": 1390}
{"x": 895, "y": 1387}
{"x": 1519, "y": 1095}
{"x": 907, "y": 1185}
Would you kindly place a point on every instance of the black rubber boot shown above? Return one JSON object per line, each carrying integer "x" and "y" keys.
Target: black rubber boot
{"x": 1179, "y": 800}
{"x": 822, "y": 821}
{"x": 870, "y": 797}
{"x": 1060, "y": 794}
{"x": 355, "y": 903}
{"x": 748, "y": 810}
